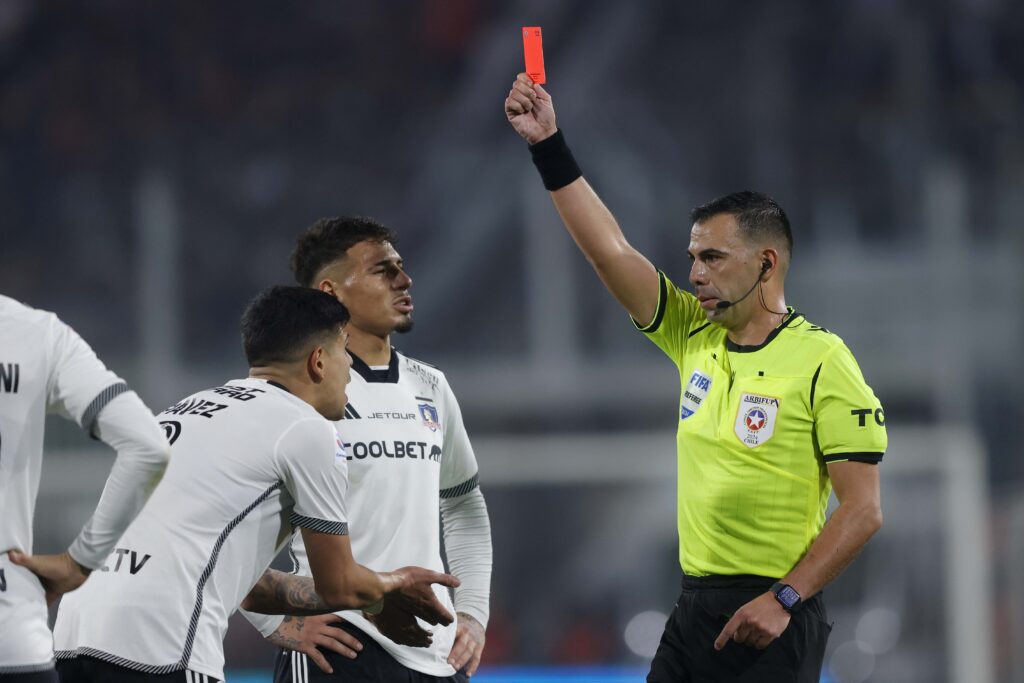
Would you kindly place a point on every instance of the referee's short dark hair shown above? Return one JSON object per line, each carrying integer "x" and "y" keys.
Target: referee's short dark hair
{"x": 328, "y": 240}
{"x": 282, "y": 323}
{"x": 759, "y": 216}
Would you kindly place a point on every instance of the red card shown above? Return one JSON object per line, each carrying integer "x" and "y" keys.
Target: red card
{"x": 534, "y": 53}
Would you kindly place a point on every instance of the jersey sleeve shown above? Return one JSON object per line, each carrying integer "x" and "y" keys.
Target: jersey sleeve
{"x": 80, "y": 384}
{"x": 459, "y": 472}
{"x": 127, "y": 426}
{"x": 848, "y": 418}
{"x": 677, "y": 315}
{"x": 312, "y": 465}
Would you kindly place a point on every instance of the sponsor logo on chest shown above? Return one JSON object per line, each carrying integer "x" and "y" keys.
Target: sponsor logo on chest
{"x": 756, "y": 418}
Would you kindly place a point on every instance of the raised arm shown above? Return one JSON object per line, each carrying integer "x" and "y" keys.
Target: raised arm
{"x": 627, "y": 274}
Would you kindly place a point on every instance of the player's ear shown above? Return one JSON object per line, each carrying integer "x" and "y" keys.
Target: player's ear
{"x": 315, "y": 364}
{"x": 327, "y": 286}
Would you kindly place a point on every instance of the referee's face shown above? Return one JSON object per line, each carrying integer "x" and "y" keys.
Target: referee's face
{"x": 372, "y": 283}
{"x": 723, "y": 267}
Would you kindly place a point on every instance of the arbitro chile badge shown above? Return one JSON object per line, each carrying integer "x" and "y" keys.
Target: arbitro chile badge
{"x": 755, "y": 419}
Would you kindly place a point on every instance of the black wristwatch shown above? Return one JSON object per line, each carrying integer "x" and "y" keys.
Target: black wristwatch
{"x": 787, "y": 596}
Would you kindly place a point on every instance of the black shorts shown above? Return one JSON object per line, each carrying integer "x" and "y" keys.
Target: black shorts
{"x": 687, "y": 653}
{"x": 92, "y": 670}
{"x": 372, "y": 665}
{"x": 45, "y": 676}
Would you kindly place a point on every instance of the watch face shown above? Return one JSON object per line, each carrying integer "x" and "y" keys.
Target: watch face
{"x": 788, "y": 596}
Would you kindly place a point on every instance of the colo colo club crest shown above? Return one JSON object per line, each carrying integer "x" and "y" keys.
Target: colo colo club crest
{"x": 429, "y": 415}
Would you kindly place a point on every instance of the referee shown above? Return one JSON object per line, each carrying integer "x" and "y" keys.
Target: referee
{"x": 773, "y": 414}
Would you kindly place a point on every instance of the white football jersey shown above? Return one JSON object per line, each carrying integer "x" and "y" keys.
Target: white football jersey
{"x": 406, "y": 448}
{"x": 45, "y": 367}
{"x": 250, "y": 461}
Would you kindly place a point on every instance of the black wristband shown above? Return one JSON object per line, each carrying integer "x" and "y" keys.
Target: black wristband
{"x": 555, "y": 162}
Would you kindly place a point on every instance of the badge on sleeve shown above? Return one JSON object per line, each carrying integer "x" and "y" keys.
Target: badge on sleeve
{"x": 755, "y": 419}
{"x": 694, "y": 394}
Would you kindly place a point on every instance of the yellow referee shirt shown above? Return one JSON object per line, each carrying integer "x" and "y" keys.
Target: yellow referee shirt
{"x": 757, "y": 424}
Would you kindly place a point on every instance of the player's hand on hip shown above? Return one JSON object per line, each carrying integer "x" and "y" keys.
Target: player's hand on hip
{"x": 307, "y": 634}
{"x": 417, "y": 597}
{"x": 529, "y": 109}
{"x": 59, "y": 573}
{"x": 469, "y": 644}
{"x": 756, "y": 624}
{"x": 400, "y": 626}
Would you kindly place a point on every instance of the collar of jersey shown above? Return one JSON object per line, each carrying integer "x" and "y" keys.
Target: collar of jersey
{"x": 740, "y": 348}
{"x": 278, "y": 385}
{"x": 370, "y": 375}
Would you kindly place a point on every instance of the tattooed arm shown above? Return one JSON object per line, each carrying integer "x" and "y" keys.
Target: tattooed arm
{"x": 280, "y": 593}
{"x": 281, "y": 638}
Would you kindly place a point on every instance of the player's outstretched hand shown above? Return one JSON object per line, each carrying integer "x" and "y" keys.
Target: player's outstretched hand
{"x": 469, "y": 644}
{"x": 529, "y": 109}
{"x": 400, "y": 626}
{"x": 756, "y": 624}
{"x": 307, "y": 634}
{"x": 59, "y": 574}
{"x": 417, "y": 597}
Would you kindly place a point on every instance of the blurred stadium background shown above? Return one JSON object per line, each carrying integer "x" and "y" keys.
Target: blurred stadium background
{"x": 157, "y": 160}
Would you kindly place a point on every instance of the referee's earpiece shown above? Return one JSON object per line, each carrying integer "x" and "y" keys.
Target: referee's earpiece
{"x": 765, "y": 266}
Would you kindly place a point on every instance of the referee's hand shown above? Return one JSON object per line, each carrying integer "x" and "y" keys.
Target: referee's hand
{"x": 59, "y": 573}
{"x": 756, "y": 624}
{"x": 530, "y": 110}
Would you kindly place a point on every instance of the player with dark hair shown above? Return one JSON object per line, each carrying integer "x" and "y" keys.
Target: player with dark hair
{"x": 328, "y": 240}
{"x": 46, "y": 367}
{"x": 408, "y": 456}
{"x": 253, "y": 459}
{"x": 773, "y": 414}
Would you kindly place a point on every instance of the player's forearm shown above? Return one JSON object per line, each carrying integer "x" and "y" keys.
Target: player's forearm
{"x": 467, "y": 541}
{"x": 129, "y": 427}
{"x": 843, "y": 537}
{"x": 280, "y": 593}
